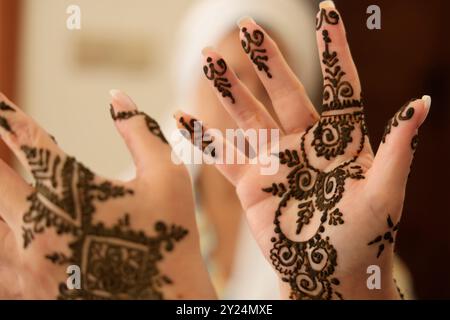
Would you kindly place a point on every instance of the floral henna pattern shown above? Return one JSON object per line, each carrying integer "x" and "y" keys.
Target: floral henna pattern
{"x": 305, "y": 256}
{"x": 252, "y": 45}
{"x": 387, "y": 238}
{"x": 116, "y": 262}
{"x": 215, "y": 72}
{"x": 196, "y": 132}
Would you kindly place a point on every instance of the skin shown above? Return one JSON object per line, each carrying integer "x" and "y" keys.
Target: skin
{"x": 26, "y": 274}
{"x": 380, "y": 193}
{"x": 213, "y": 188}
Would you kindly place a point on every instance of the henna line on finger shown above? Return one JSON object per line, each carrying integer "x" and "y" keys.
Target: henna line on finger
{"x": 152, "y": 125}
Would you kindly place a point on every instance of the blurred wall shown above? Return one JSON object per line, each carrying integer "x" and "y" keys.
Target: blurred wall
{"x": 65, "y": 75}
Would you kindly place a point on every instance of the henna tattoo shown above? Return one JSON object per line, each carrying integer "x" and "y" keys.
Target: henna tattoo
{"x": 258, "y": 55}
{"x": 65, "y": 194}
{"x": 406, "y": 112}
{"x": 215, "y": 72}
{"x": 308, "y": 265}
{"x": 120, "y": 263}
{"x": 414, "y": 142}
{"x": 388, "y": 236}
{"x": 331, "y": 17}
{"x": 116, "y": 262}
{"x": 305, "y": 257}
{"x": 152, "y": 125}
{"x": 337, "y": 94}
{"x": 3, "y": 121}
{"x": 400, "y": 293}
{"x": 206, "y": 140}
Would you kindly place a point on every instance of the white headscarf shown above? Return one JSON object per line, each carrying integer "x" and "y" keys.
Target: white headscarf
{"x": 208, "y": 21}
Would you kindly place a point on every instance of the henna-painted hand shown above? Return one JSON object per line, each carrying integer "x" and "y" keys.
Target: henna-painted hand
{"x": 332, "y": 208}
{"x": 131, "y": 240}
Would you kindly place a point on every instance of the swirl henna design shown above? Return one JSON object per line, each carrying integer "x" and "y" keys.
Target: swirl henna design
{"x": 258, "y": 55}
{"x": 331, "y": 17}
{"x": 305, "y": 257}
{"x": 406, "y": 112}
{"x": 152, "y": 125}
{"x": 308, "y": 265}
{"x": 215, "y": 72}
{"x": 3, "y": 121}
{"x": 116, "y": 262}
{"x": 388, "y": 236}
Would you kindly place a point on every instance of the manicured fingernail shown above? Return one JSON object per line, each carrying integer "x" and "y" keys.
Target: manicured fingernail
{"x": 242, "y": 21}
{"x": 327, "y": 4}
{"x": 427, "y": 101}
{"x": 122, "y": 99}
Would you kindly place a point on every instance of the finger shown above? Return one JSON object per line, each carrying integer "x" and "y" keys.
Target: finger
{"x": 33, "y": 146}
{"x": 13, "y": 196}
{"x": 341, "y": 86}
{"x": 391, "y": 166}
{"x": 218, "y": 151}
{"x": 289, "y": 98}
{"x": 141, "y": 133}
{"x": 237, "y": 99}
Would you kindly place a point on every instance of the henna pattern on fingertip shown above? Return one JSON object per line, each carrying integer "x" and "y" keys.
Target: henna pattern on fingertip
{"x": 152, "y": 125}
{"x": 251, "y": 44}
{"x": 405, "y": 113}
{"x": 206, "y": 140}
{"x": 387, "y": 238}
{"x": 329, "y": 17}
{"x": 215, "y": 72}
{"x": 4, "y": 107}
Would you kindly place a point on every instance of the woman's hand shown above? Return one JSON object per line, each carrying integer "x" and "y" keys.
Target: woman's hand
{"x": 332, "y": 209}
{"x": 123, "y": 240}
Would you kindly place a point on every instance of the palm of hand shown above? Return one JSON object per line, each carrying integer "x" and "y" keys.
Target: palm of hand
{"x": 332, "y": 207}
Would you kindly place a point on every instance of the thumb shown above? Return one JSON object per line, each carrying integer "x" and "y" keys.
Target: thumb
{"x": 141, "y": 133}
{"x": 392, "y": 162}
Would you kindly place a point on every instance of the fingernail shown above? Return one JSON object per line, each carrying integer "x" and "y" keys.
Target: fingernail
{"x": 242, "y": 21}
{"x": 207, "y": 50}
{"x": 327, "y": 4}
{"x": 122, "y": 99}
{"x": 427, "y": 101}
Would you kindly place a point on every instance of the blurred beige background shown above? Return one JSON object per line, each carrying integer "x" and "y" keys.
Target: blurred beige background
{"x": 119, "y": 46}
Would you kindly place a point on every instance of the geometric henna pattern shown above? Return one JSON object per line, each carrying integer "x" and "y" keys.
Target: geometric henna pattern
{"x": 257, "y": 55}
{"x": 307, "y": 262}
{"x": 405, "y": 113}
{"x": 152, "y": 125}
{"x": 388, "y": 237}
{"x": 214, "y": 72}
{"x": 116, "y": 262}
{"x": 3, "y": 122}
